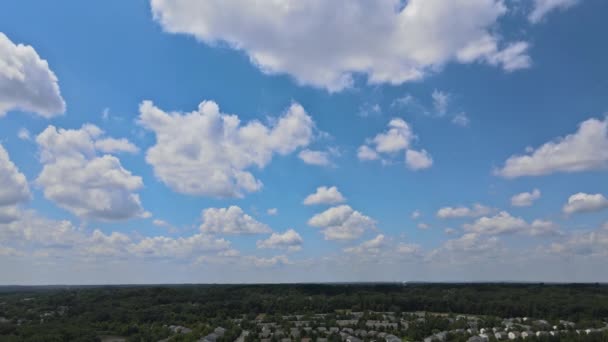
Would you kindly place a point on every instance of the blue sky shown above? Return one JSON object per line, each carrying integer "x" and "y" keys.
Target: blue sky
{"x": 414, "y": 129}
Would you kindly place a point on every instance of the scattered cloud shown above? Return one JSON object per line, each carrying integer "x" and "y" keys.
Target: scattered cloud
{"x": 400, "y": 45}
{"x": 289, "y": 240}
{"x": 27, "y": 81}
{"x": 231, "y": 220}
{"x": 418, "y": 160}
{"x": 24, "y": 134}
{"x": 471, "y": 242}
{"x": 593, "y": 243}
{"x": 367, "y": 110}
{"x": 584, "y": 150}
{"x": 342, "y": 223}
{"x": 78, "y": 179}
{"x": 14, "y": 188}
{"x": 440, "y": 102}
{"x": 505, "y": 223}
{"x": 525, "y": 199}
{"x": 585, "y": 203}
{"x": 325, "y": 195}
{"x": 423, "y": 226}
{"x": 461, "y": 119}
{"x": 372, "y": 246}
{"x": 398, "y": 137}
{"x": 544, "y": 7}
{"x": 318, "y": 158}
{"x": 458, "y": 212}
{"x": 416, "y": 214}
{"x": 272, "y": 211}
{"x": 267, "y": 262}
{"x": 111, "y": 145}
{"x": 209, "y": 153}
{"x": 365, "y": 153}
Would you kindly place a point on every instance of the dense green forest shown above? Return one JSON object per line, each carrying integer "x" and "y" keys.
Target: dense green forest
{"x": 142, "y": 313}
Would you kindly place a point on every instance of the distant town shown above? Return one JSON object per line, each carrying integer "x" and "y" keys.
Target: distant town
{"x": 307, "y": 313}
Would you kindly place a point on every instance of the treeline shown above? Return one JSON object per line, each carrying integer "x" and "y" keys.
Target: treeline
{"x": 142, "y": 312}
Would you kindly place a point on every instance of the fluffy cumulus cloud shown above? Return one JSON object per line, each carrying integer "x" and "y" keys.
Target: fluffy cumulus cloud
{"x": 525, "y": 199}
{"x": 325, "y": 195}
{"x": 324, "y": 43}
{"x": 13, "y": 188}
{"x": 585, "y": 203}
{"x": 418, "y": 160}
{"x": 543, "y": 7}
{"x": 289, "y": 240}
{"x": 231, "y": 220}
{"x": 458, "y": 212}
{"x": 26, "y": 81}
{"x": 586, "y": 149}
{"x": 312, "y": 157}
{"x": 31, "y": 229}
{"x": 505, "y": 223}
{"x": 209, "y": 153}
{"x": 79, "y": 179}
{"x": 398, "y": 137}
{"x": 342, "y": 223}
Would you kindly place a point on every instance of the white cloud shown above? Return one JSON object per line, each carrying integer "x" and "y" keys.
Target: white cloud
{"x": 182, "y": 247}
{"x": 231, "y": 220}
{"x": 423, "y": 226}
{"x": 505, "y": 223}
{"x": 456, "y": 212}
{"x": 206, "y": 152}
{"x": 543, "y": 7}
{"x": 449, "y": 231}
{"x": 585, "y": 203}
{"x": 24, "y": 134}
{"x": 78, "y": 180}
{"x": 416, "y": 214}
{"x": 416, "y": 160}
{"x": 289, "y": 240}
{"x": 319, "y": 158}
{"x": 26, "y": 81}
{"x": 366, "y": 153}
{"x": 111, "y": 145}
{"x": 398, "y": 137}
{"x": 461, "y": 119}
{"x": 267, "y": 262}
{"x": 115, "y": 244}
{"x": 440, "y": 101}
{"x": 593, "y": 243}
{"x": 372, "y": 246}
{"x": 325, "y": 195}
{"x": 587, "y": 149}
{"x": 13, "y": 184}
{"x": 367, "y": 110}
{"x": 324, "y": 43}
{"x": 525, "y": 199}
{"x": 29, "y": 228}
{"x": 342, "y": 223}
{"x": 9, "y": 213}
{"x": 272, "y": 211}
{"x": 471, "y": 244}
